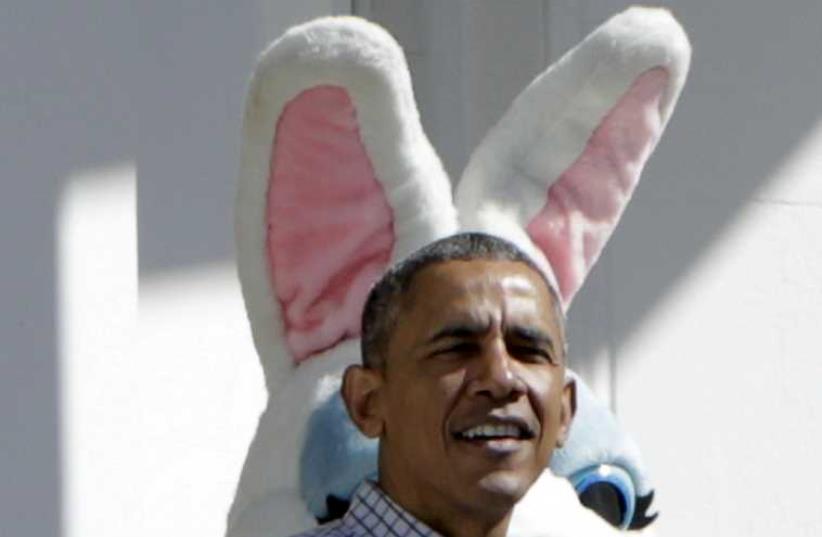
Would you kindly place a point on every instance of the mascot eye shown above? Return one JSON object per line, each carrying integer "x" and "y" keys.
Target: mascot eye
{"x": 607, "y": 490}
{"x": 336, "y": 508}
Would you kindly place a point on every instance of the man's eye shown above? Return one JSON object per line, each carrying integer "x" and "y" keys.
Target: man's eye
{"x": 460, "y": 348}
{"x": 531, "y": 353}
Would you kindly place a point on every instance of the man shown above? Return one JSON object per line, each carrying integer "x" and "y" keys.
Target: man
{"x": 463, "y": 382}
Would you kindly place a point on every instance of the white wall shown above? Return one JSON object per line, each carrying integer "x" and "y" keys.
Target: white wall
{"x": 717, "y": 310}
{"x": 129, "y": 388}
{"x": 128, "y": 385}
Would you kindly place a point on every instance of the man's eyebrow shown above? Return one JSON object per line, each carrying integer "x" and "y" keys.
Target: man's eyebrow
{"x": 532, "y": 335}
{"x": 458, "y": 330}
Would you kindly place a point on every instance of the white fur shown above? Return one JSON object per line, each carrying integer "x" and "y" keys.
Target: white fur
{"x": 367, "y": 62}
{"x": 271, "y": 471}
{"x": 551, "y": 509}
{"x": 548, "y": 125}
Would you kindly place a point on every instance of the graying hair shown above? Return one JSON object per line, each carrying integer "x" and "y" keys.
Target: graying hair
{"x": 383, "y": 304}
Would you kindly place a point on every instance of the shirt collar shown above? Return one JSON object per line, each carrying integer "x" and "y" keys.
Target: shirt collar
{"x": 372, "y": 512}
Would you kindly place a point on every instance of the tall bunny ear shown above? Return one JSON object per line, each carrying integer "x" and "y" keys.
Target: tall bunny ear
{"x": 337, "y": 181}
{"x": 556, "y": 172}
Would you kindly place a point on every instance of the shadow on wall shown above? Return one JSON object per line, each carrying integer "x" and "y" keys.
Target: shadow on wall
{"x": 65, "y": 106}
{"x": 86, "y": 85}
{"x": 742, "y": 114}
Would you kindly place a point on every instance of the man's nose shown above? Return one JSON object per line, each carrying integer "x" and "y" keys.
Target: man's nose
{"x": 494, "y": 373}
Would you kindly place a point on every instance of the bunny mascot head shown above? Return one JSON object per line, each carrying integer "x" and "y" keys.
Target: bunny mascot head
{"x": 338, "y": 181}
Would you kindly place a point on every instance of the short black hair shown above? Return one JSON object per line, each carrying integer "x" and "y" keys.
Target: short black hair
{"x": 382, "y": 307}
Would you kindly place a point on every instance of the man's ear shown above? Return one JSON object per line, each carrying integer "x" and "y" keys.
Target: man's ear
{"x": 361, "y": 391}
{"x": 568, "y": 408}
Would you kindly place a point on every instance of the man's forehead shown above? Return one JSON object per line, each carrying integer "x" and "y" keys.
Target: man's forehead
{"x": 460, "y": 274}
{"x": 450, "y": 283}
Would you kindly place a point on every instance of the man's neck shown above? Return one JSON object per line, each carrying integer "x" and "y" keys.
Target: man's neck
{"x": 446, "y": 519}
{"x": 470, "y": 526}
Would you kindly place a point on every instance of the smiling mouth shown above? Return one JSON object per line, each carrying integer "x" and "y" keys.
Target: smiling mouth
{"x": 504, "y": 433}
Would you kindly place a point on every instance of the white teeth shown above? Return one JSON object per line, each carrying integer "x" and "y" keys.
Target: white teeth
{"x": 492, "y": 431}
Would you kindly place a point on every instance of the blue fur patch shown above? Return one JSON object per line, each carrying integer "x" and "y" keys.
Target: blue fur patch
{"x": 336, "y": 457}
{"x": 597, "y": 438}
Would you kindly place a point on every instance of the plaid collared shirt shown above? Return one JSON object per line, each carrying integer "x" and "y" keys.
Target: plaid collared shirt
{"x": 373, "y": 513}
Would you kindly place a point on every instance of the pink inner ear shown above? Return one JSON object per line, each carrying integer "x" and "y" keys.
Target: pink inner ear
{"x": 330, "y": 227}
{"x": 585, "y": 203}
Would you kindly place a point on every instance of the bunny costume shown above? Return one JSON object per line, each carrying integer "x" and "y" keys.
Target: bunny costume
{"x": 338, "y": 181}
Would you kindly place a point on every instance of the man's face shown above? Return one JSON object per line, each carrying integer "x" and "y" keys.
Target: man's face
{"x": 473, "y": 399}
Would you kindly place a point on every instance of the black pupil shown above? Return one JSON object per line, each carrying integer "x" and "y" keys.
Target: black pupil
{"x": 336, "y": 508}
{"x": 606, "y": 501}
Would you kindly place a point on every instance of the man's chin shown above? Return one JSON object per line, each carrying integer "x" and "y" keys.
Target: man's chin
{"x": 502, "y": 488}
